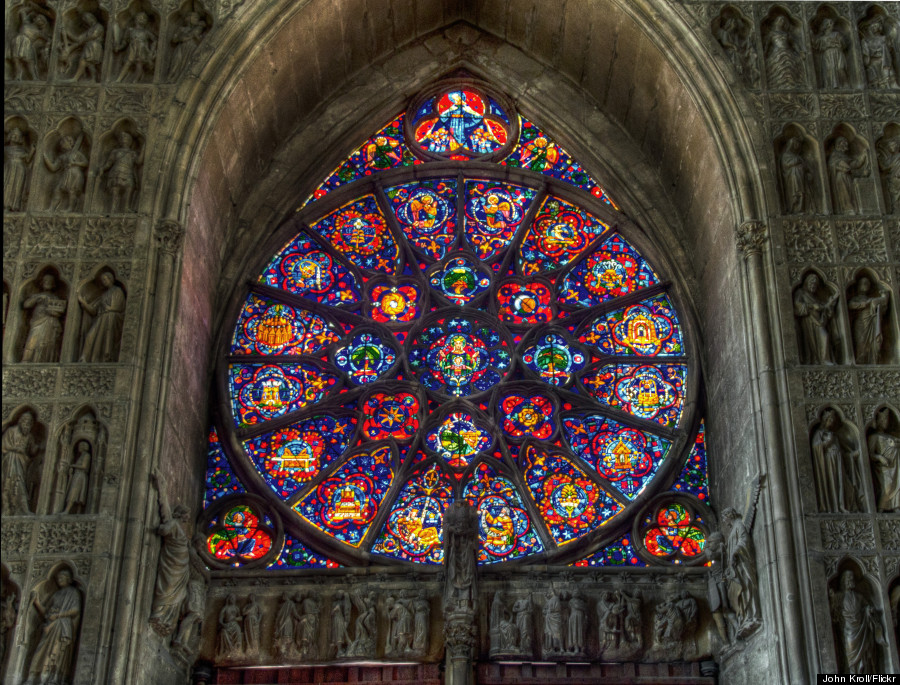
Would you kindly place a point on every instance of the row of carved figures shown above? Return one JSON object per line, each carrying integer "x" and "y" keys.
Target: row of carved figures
{"x": 59, "y": 480}
{"x": 847, "y": 179}
{"x": 86, "y": 45}
{"x": 39, "y": 329}
{"x": 841, "y": 479}
{"x": 864, "y": 332}
{"x": 828, "y": 52}
{"x": 68, "y": 168}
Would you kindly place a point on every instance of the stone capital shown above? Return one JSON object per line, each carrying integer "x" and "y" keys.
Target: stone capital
{"x": 752, "y": 237}
{"x": 169, "y": 236}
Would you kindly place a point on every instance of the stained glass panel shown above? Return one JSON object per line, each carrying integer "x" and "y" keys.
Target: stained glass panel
{"x": 614, "y": 269}
{"x": 494, "y": 212}
{"x": 559, "y": 233}
{"x": 528, "y": 415}
{"x": 460, "y": 123}
{"x": 460, "y": 279}
{"x": 295, "y": 554}
{"x": 553, "y": 359}
{"x": 240, "y": 537}
{"x": 220, "y": 478}
{"x": 391, "y": 415}
{"x": 619, "y": 553}
{"x": 365, "y": 357}
{"x": 674, "y": 532}
{"x": 694, "y": 478}
{"x": 269, "y": 327}
{"x": 261, "y": 392}
{"x": 426, "y": 211}
{"x": 458, "y": 438}
{"x": 525, "y": 303}
{"x": 359, "y": 231}
{"x": 648, "y": 329}
{"x": 655, "y": 393}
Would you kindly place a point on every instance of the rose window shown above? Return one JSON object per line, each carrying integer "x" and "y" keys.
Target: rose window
{"x": 459, "y": 312}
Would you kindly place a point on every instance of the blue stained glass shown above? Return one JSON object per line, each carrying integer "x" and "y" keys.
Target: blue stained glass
{"x": 365, "y": 357}
{"x": 261, "y": 392}
{"x": 269, "y": 327}
{"x": 359, "y": 231}
{"x": 554, "y": 359}
{"x": 559, "y": 232}
{"x": 654, "y": 393}
{"x": 613, "y": 269}
{"x": 295, "y": 554}
{"x": 494, "y": 212}
{"x": 694, "y": 478}
{"x": 620, "y": 553}
{"x": 460, "y": 123}
{"x": 426, "y": 211}
{"x": 648, "y": 328}
{"x": 220, "y": 478}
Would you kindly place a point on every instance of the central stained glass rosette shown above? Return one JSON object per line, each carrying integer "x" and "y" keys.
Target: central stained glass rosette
{"x": 445, "y": 337}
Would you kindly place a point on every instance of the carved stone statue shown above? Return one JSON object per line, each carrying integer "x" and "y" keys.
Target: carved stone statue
{"x": 859, "y": 626}
{"x": 366, "y": 625}
{"x": 340, "y": 621}
{"x": 740, "y": 566}
{"x": 553, "y": 623}
{"x": 832, "y": 50}
{"x": 252, "y": 616}
{"x": 307, "y": 628}
{"x": 88, "y": 45}
{"x": 459, "y": 551}
{"x": 889, "y": 163}
{"x": 717, "y": 594}
{"x": 675, "y": 623}
{"x": 836, "y": 469}
{"x": 421, "y": 625}
{"x": 17, "y": 156}
{"x": 577, "y": 624}
{"x": 884, "y": 450}
{"x": 843, "y": 166}
{"x": 56, "y": 648}
{"x": 30, "y": 49}
{"x": 784, "y": 64}
{"x": 79, "y": 445}
{"x": 71, "y": 164}
{"x": 632, "y": 623}
{"x": 194, "y": 607}
{"x": 185, "y": 39}
{"x": 400, "y": 633}
{"x": 739, "y": 50}
{"x": 121, "y": 169}
{"x": 19, "y": 449}
{"x": 504, "y": 632}
{"x": 104, "y": 318}
{"x": 609, "y": 614}
{"x": 44, "y": 328}
{"x": 230, "y": 634}
{"x": 283, "y": 638}
{"x": 523, "y": 609}
{"x": 139, "y": 44}
{"x": 815, "y": 319}
{"x": 867, "y": 312}
{"x": 795, "y": 176}
{"x": 173, "y": 569}
{"x": 878, "y": 55}
{"x": 9, "y": 608}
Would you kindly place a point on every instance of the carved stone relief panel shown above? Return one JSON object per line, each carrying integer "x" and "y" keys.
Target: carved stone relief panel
{"x": 831, "y": 38}
{"x": 43, "y": 302}
{"x": 796, "y": 152}
{"x": 10, "y": 596}
{"x": 879, "y": 385}
{"x": 815, "y": 310}
{"x": 872, "y": 323}
{"x": 889, "y": 533}
{"x": 51, "y": 237}
{"x": 883, "y": 440}
{"x": 66, "y": 154}
{"x": 849, "y": 171}
{"x": 122, "y": 152}
{"x": 734, "y": 33}
{"x": 102, "y": 301}
{"x": 845, "y": 533}
{"x": 835, "y": 450}
{"x": 109, "y": 237}
{"x": 136, "y": 40}
{"x": 89, "y": 381}
{"x": 827, "y": 384}
{"x": 783, "y": 52}
{"x": 80, "y": 456}
{"x": 28, "y": 53}
{"x": 887, "y": 150}
{"x": 83, "y": 34}
{"x": 858, "y": 622}
{"x": 23, "y": 98}
{"x": 19, "y": 144}
{"x": 809, "y": 241}
{"x": 861, "y": 241}
{"x": 879, "y": 54}
{"x": 24, "y": 441}
{"x": 189, "y": 24}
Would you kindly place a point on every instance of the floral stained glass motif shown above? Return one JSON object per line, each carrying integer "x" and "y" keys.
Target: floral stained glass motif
{"x": 528, "y": 415}
{"x": 458, "y": 439}
{"x": 554, "y": 359}
{"x": 385, "y": 150}
{"x": 220, "y": 478}
{"x": 460, "y": 280}
{"x": 305, "y": 269}
{"x": 626, "y": 457}
{"x": 648, "y": 328}
{"x": 392, "y": 303}
{"x": 261, "y": 392}
{"x": 461, "y": 123}
{"x": 655, "y": 393}
{"x": 365, "y": 357}
{"x": 391, "y": 415}
{"x": 504, "y": 527}
{"x": 459, "y": 356}
{"x": 525, "y": 303}
{"x": 694, "y": 478}
{"x": 612, "y": 270}
{"x": 295, "y": 554}
{"x": 414, "y": 529}
{"x": 538, "y": 152}
{"x": 292, "y": 456}
{"x": 344, "y": 504}
{"x": 359, "y": 231}
{"x": 426, "y": 211}
{"x": 240, "y": 536}
{"x": 269, "y": 327}
{"x": 674, "y": 532}
{"x": 494, "y": 212}
{"x": 559, "y": 233}
{"x": 570, "y": 502}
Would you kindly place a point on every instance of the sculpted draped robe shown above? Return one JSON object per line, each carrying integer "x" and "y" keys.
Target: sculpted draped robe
{"x": 172, "y": 576}
{"x": 52, "y": 659}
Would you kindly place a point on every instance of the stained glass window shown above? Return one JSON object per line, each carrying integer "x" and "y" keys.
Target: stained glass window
{"x": 470, "y": 319}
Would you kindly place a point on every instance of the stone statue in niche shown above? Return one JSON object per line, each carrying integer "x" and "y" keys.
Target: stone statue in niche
{"x": 340, "y": 621}
{"x": 738, "y": 47}
{"x": 400, "y": 632}
{"x": 889, "y": 164}
{"x": 795, "y": 177}
{"x": 194, "y": 607}
{"x": 523, "y": 609}
{"x": 815, "y": 316}
{"x": 717, "y": 588}
{"x": 87, "y": 46}
{"x": 832, "y": 50}
{"x": 9, "y": 609}
{"x": 285, "y": 618}
{"x": 836, "y": 468}
{"x": 252, "y": 616}
{"x": 231, "y": 636}
{"x": 859, "y": 627}
{"x": 54, "y": 655}
{"x": 609, "y": 618}
{"x": 364, "y": 632}
{"x": 867, "y": 313}
{"x": 139, "y": 44}
{"x": 70, "y": 164}
{"x": 577, "y": 624}
{"x": 740, "y": 566}
{"x": 503, "y": 629}
{"x": 19, "y": 448}
{"x": 122, "y": 171}
{"x": 104, "y": 318}
{"x": 78, "y": 449}
{"x": 877, "y": 55}
{"x": 843, "y": 168}
{"x": 462, "y": 535}
{"x": 185, "y": 39}
{"x": 45, "y": 326}
{"x": 553, "y": 624}
{"x": 675, "y": 624}
{"x": 173, "y": 569}
{"x": 421, "y": 616}
{"x": 17, "y": 156}
{"x": 307, "y": 627}
{"x": 784, "y": 63}
{"x": 29, "y": 53}
{"x": 884, "y": 451}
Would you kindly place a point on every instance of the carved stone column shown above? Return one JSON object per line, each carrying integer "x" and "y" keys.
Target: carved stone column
{"x": 460, "y": 592}
{"x": 752, "y": 237}
{"x": 133, "y": 584}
